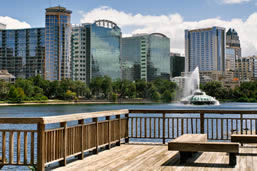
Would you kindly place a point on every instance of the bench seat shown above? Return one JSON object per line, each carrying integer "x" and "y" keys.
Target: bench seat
{"x": 242, "y": 138}
{"x": 186, "y": 149}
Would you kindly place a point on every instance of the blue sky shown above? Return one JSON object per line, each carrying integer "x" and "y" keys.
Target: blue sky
{"x": 170, "y": 17}
{"x": 32, "y": 11}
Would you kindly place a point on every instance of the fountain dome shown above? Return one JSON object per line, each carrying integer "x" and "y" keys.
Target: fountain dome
{"x": 199, "y": 98}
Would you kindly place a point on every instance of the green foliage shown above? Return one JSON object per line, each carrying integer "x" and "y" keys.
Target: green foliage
{"x": 141, "y": 88}
{"x": 167, "y": 96}
{"x": 156, "y": 96}
{"x": 4, "y": 89}
{"x": 16, "y": 94}
{"x": 114, "y": 97}
{"x": 69, "y": 95}
{"x": 13, "y": 93}
{"x": 246, "y": 92}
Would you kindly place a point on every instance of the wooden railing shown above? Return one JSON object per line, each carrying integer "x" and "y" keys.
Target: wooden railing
{"x": 169, "y": 124}
{"x": 58, "y": 138}
{"x": 46, "y": 146}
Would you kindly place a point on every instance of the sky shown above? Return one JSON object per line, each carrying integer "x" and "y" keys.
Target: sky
{"x": 170, "y": 17}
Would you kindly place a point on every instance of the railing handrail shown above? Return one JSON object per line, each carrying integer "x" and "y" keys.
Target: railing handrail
{"x": 62, "y": 118}
{"x": 167, "y": 111}
{"x": 79, "y": 116}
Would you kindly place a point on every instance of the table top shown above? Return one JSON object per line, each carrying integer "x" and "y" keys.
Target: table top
{"x": 191, "y": 138}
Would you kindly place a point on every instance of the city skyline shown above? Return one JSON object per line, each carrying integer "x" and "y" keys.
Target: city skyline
{"x": 148, "y": 18}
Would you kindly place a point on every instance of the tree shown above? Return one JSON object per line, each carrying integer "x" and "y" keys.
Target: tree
{"x": 26, "y": 85}
{"x": 43, "y": 84}
{"x": 4, "y": 89}
{"x": 114, "y": 97}
{"x": 81, "y": 89}
{"x": 141, "y": 88}
{"x": 96, "y": 86}
{"x": 106, "y": 86}
{"x": 69, "y": 95}
{"x": 13, "y": 93}
{"x": 16, "y": 94}
{"x": 167, "y": 96}
{"x": 156, "y": 96}
{"x": 21, "y": 95}
{"x": 213, "y": 88}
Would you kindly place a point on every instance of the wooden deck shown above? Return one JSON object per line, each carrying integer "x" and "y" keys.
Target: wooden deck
{"x": 157, "y": 157}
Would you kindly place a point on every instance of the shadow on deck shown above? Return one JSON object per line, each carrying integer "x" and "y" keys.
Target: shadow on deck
{"x": 157, "y": 157}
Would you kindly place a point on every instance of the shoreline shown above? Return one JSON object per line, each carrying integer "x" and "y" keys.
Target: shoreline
{"x": 78, "y": 102}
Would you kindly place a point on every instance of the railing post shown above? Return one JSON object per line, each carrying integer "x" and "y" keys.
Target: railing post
{"x": 202, "y": 122}
{"x": 81, "y": 122}
{"x": 127, "y": 138}
{"x": 241, "y": 123}
{"x": 119, "y": 129}
{"x": 40, "y": 147}
{"x": 96, "y": 135}
{"x": 163, "y": 128}
{"x": 64, "y": 149}
{"x": 109, "y": 132}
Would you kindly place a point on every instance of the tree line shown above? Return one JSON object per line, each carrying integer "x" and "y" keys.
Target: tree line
{"x": 38, "y": 89}
{"x": 246, "y": 92}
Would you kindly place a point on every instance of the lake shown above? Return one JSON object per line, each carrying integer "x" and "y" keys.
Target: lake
{"x": 54, "y": 110}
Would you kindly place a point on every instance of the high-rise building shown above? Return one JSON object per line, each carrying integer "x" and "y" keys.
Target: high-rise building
{"x": 244, "y": 69}
{"x": 96, "y": 50}
{"x": 230, "y": 59}
{"x": 177, "y": 64}
{"x": 57, "y": 41}
{"x": 22, "y": 51}
{"x": 233, "y": 49}
{"x": 205, "y": 48}
{"x": 146, "y": 57}
{"x": 233, "y": 42}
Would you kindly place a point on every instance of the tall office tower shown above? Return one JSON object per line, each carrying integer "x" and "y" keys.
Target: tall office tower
{"x": 78, "y": 54}
{"x": 177, "y": 64}
{"x": 57, "y": 40}
{"x": 233, "y": 49}
{"x": 233, "y": 42}
{"x": 146, "y": 57}
{"x": 244, "y": 69}
{"x": 22, "y": 51}
{"x": 96, "y": 51}
{"x": 2, "y": 26}
{"x": 205, "y": 48}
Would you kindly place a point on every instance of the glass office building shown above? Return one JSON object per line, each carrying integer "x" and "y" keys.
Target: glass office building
{"x": 233, "y": 42}
{"x": 230, "y": 59}
{"x": 205, "y": 48}
{"x": 177, "y": 64}
{"x": 145, "y": 56}
{"x": 96, "y": 51}
{"x": 57, "y": 40}
{"x": 22, "y": 51}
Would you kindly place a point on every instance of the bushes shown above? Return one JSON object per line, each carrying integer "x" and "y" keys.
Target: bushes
{"x": 246, "y": 92}
{"x": 38, "y": 89}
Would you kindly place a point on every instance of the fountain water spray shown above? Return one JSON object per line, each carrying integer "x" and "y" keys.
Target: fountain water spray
{"x": 192, "y": 82}
{"x": 192, "y": 93}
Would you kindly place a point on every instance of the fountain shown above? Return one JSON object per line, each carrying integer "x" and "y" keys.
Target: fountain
{"x": 192, "y": 93}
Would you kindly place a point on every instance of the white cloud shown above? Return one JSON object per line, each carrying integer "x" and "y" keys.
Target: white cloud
{"x": 173, "y": 25}
{"x": 12, "y": 23}
{"x": 234, "y": 1}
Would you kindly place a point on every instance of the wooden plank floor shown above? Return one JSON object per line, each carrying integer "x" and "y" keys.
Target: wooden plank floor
{"x": 157, "y": 157}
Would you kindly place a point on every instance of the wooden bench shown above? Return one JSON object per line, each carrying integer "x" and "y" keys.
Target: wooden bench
{"x": 242, "y": 138}
{"x": 189, "y": 143}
